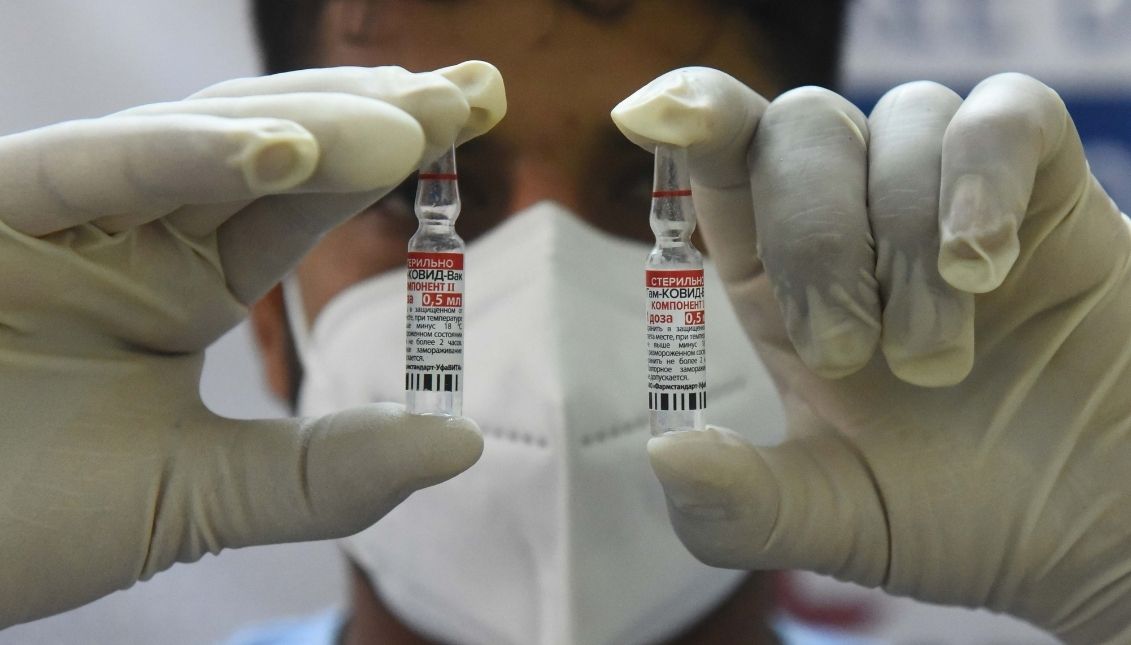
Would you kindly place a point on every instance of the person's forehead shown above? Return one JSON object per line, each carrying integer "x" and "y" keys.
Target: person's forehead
{"x": 555, "y": 58}
{"x": 425, "y": 34}
{"x": 564, "y": 69}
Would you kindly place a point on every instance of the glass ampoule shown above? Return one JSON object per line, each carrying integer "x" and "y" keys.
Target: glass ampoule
{"x": 676, "y": 331}
{"x": 434, "y": 324}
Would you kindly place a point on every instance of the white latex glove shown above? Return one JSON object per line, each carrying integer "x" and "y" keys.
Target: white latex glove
{"x": 131, "y": 242}
{"x": 942, "y": 293}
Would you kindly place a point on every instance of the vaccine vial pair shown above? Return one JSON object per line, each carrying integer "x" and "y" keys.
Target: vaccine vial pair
{"x": 673, "y": 277}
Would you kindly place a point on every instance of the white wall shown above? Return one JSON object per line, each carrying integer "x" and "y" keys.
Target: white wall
{"x": 68, "y": 59}
{"x": 64, "y": 59}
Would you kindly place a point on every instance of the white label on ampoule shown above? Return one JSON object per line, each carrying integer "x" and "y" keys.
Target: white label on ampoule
{"x": 434, "y": 327}
{"x": 677, "y": 340}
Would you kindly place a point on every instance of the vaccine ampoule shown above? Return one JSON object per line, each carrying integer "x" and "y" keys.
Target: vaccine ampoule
{"x": 434, "y": 324}
{"x": 677, "y": 339}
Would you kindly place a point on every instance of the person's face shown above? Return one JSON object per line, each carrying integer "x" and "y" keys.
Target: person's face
{"x": 564, "y": 71}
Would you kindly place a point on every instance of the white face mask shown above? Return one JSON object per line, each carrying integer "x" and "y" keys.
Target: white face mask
{"x": 559, "y": 534}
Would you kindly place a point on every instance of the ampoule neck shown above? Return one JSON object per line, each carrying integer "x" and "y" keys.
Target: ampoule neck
{"x": 437, "y": 191}
{"x": 434, "y": 226}
{"x": 673, "y": 214}
{"x": 671, "y": 170}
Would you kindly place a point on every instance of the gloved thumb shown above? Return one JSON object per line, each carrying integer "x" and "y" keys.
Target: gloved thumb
{"x": 806, "y": 504}
{"x": 287, "y": 480}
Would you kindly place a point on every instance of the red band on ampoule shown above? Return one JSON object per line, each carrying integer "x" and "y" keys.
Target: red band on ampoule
{"x": 685, "y": 192}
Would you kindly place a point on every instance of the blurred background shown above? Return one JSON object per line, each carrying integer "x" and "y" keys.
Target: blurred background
{"x": 62, "y": 60}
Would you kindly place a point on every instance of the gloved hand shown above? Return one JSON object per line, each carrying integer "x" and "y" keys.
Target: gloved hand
{"x": 942, "y": 293}
{"x": 131, "y": 242}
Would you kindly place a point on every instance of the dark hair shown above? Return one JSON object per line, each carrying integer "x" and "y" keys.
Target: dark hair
{"x": 285, "y": 30}
{"x": 804, "y": 36}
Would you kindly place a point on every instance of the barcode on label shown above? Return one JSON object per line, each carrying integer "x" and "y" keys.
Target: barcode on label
{"x": 431, "y": 382}
{"x": 664, "y": 401}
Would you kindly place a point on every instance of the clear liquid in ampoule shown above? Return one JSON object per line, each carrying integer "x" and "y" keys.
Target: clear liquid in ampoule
{"x": 434, "y": 324}
{"x": 676, "y": 332}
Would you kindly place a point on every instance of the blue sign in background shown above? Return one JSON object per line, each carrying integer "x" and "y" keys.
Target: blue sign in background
{"x": 1105, "y": 127}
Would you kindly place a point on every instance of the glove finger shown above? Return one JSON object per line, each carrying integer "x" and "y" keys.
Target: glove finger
{"x": 365, "y": 144}
{"x": 140, "y": 168}
{"x": 809, "y": 167}
{"x": 455, "y": 103}
{"x": 290, "y": 226}
{"x": 201, "y": 219}
{"x": 1008, "y": 130}
{"x": 928, "y": 325}
{"x": 289, "y": 480}
{"x": 260, "y": 244}
{"x": 806, "y": 504}
{"x": 714, "y": 116}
